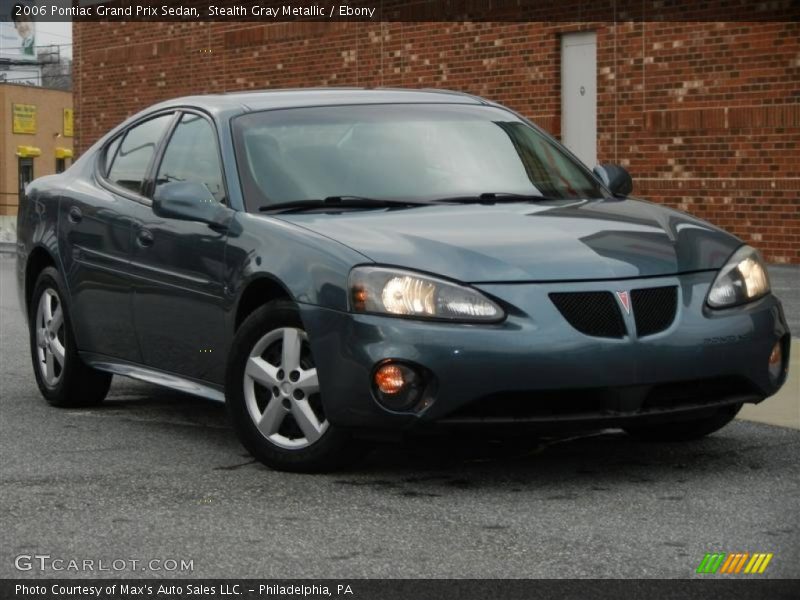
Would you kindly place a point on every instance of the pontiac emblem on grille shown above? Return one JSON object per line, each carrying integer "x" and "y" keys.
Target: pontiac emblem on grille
{"x": 625, "y": 300}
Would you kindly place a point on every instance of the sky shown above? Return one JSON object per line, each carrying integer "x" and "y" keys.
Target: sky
{"x": 52, "y": 32}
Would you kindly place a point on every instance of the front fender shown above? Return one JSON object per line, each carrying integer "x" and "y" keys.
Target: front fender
{"x": 312, "y": 268}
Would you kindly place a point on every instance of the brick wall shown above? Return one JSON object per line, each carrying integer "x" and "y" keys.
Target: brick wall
{"x": 706, "y": 115}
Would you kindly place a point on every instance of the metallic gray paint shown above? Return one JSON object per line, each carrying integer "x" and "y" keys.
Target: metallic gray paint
{"x": 554, "y": 241}
{"x": 141, "y": 311}
{"x": 535, "y": 350}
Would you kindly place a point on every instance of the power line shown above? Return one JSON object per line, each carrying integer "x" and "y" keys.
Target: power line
{"x": 48, "y": 45}
{"x": 36, "y": 78}
{"x": 61, "y": 35}
{"x": 40, "y": 47}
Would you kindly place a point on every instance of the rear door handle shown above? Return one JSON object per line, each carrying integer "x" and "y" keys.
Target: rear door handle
{"x": 75, "y": 215}
{"x": 145, "y": 238}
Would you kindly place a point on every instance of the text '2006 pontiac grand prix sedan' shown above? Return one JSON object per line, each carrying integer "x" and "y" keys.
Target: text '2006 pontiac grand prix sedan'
{"x": 336, "y": 264}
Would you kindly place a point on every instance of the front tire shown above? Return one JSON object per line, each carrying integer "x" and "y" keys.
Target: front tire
{"x": 273, "y": 395}
{"x": 63, "y": 379}
{"x": 684, "y": 431}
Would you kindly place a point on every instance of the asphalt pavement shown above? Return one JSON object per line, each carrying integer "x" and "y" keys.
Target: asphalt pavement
{"x": 154, "y": 474}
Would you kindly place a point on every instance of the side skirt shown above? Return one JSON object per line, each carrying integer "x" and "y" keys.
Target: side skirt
{"x": 150, "y": 375}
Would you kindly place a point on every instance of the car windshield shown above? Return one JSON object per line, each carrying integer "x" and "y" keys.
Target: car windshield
{"x": 401, "y": 151}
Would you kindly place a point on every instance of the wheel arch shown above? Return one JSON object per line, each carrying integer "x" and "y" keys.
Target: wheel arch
{"x": 39, "y": 259}
{"x": 257, "y": 292}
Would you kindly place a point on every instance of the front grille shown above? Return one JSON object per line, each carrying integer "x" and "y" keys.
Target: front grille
{"x": 654, "y": 309}
{"x": 592, "y": 313}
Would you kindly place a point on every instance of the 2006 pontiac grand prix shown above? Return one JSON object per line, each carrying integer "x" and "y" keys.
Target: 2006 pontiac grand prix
{"x": 335, "y": 264}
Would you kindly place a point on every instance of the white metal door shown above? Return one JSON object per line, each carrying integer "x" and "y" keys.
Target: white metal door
{"x": 579, "y": 94}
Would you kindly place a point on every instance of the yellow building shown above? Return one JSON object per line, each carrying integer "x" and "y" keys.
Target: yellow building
{"x": 35, "y": 140}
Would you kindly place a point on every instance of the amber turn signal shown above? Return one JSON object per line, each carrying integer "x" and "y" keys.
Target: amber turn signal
{"x": 360, "y": 298}
{"x": 776, "y": 355}
{"x": 775, "y": 363}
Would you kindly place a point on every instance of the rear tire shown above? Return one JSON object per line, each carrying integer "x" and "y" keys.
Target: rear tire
{"x": 63, "y": 379}
{"x": 274, "y": 399}
{"x": 684, "y": 431}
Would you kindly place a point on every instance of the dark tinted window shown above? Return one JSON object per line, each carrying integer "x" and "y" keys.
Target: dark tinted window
{"x": 135, "y": 152}
{"x": 192, "y": 155}
{"x": 412, "y": 151}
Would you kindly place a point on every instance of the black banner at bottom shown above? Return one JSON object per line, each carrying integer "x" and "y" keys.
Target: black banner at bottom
{"x": 400, "y": 589}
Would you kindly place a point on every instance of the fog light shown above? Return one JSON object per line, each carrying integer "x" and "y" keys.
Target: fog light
{"x": 389, "y": 379}
{"x": 775, "y": 363}
{"x": 397, "y": 386}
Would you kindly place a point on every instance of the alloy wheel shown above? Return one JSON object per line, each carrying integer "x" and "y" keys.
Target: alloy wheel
{"x": 50, "y": 337}
{"x": 281, "y": 389}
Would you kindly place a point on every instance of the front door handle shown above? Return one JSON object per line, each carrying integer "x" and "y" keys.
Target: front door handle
{"x": 145, "y": 238}
{"x": 75, "y": 215}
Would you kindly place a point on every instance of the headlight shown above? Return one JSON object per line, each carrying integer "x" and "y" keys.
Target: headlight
{"x": 742, "y": 279}
{"x": 406, "y": 293}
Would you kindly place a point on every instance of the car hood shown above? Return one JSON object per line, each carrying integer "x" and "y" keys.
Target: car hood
{"x": 553, "y": 241}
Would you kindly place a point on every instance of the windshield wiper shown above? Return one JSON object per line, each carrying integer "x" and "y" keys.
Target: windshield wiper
{"x": 495, "y": 198}
{"x": 339, "y": 202}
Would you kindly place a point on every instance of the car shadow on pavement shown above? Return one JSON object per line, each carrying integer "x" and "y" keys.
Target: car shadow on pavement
{"x": 569, "y": 468}
{"x": 600, "y": 457}
{"x": 434, "y": 465}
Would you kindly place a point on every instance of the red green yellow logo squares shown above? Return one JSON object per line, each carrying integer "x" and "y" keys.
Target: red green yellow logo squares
{"x": 735, "y": 563}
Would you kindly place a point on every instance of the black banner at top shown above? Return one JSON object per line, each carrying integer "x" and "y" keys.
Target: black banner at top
{"x": 266, "y": 11}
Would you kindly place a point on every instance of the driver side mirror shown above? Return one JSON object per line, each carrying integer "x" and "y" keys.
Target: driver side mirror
{"x": 188, "y": 201}
{"x": 616, "y": 178}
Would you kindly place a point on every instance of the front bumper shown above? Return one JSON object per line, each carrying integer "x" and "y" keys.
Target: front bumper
{"x": 535, "y": 367}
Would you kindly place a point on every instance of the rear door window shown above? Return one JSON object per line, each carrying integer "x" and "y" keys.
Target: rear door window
{"x": 129, "y": 166}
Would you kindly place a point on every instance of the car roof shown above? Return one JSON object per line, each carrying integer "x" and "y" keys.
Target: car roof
{"x": 228, "y": 105}
{"x": 288, "y": 98}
